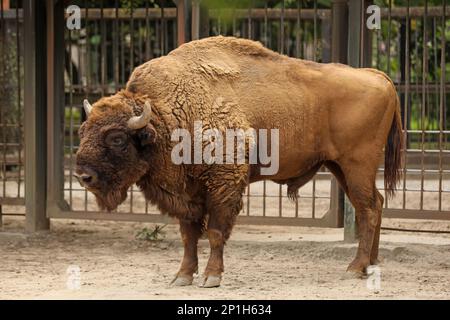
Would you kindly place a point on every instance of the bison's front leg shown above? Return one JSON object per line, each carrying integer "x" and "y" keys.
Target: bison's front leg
{"x": 220, "y": 224}
{"x": 190, "y": 233}
{"x": 225, "y": 187}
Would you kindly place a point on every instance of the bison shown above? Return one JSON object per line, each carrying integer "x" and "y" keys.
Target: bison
{"x": 328, "y": 115}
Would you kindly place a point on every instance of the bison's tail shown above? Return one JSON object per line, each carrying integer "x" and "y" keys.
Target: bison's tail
{"x": 392, "y": 154}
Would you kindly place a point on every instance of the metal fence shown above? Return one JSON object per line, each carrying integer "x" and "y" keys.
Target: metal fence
{"x": 128, "y": 38}
{"x": 12, "y": 187}
{"x": 99, "y": 59}
{"x": 411, "y": 47}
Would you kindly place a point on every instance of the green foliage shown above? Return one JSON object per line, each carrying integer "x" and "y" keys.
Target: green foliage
{"x": 11, "y": 101}
{"x": 152, "y": 235}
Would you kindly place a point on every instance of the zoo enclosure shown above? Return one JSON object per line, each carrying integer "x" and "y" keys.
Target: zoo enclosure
{"x": 96, "y": 60}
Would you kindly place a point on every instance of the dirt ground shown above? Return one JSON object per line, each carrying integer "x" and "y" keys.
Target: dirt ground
{"x": 261, "y": 262}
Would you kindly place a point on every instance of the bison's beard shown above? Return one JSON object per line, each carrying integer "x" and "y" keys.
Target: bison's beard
{"x": 111, "y": 199}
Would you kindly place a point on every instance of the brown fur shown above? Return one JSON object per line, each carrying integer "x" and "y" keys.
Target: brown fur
{"x": 327, "y": 114}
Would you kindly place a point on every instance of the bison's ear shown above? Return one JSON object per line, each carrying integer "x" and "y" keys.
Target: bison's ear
{"x": 147, "y": 135}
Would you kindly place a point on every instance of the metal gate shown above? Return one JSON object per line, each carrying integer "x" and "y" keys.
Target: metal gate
{"x": 12, "y": 189}
{"x": 96, "y": 60}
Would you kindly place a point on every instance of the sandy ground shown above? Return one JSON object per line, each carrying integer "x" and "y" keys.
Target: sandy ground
{"x": 262, "y": 262}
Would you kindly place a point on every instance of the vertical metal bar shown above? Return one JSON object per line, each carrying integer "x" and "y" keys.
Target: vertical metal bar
{"x": 204, "y": 21}
{"x": 69, "y": 32}
{"x": 388, "y": 48}
{"x": 88, "y": 78}
{"x": 35, "y": 113}
{"x": 315, "y": 32}
{"x": 389, "y": 43}
{"x": 314, "y": 198}
{"x": 280, "y": 201}
{"x": 103, "y": 49}
{"x": 139, "y": 42}
{"x": 147, "y": 32}
{"x": 354, "y": 33}
{"x": 173, "y": 24}
{"x": 339, "y": 52}
{"x": 248, "y": 200}
{"x": 163, "y": 29}
{"x": 132, "y": 40}
{"x": 114, "y": 39}
{"x": 378, "y": 60}
{"x": 362, "y": 33}
{"x": 233, "y": 21}
{"x": 436, "y": 62}
{"x": 132, "y": 35}
{"x": 354, "y": 60}
{"x": 219, "y": 21}
{"x": 2, "y": 110}
{"x": 195, "y": 27}
{"x": 122, "y": 52}
{"x": 181, "y": 22}
{"x": 406, "y": 102}
{"x": 264, "y": 197}
{"x": 249, "y": 20}
{"x": 131, "y": 199}
{"x": 282, "y": 28}
{"x": 424, "y": 100}
{"x": 97, "y": 69}
{"x": 19, "y": 107}
{"x": 88, "y": 53}
{"x": 225, "y": 27}
{"x": 339, "y": 31}
{"x": 442, "y": 95}
{"x": 298, "y": 34}
{"x": 265, "y": 24}
{"x": 55, "y": 107}
{"x": 287, "y": 40}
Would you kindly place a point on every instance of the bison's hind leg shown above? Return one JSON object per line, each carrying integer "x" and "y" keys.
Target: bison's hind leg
{"x": 376, "y": 240}
{"x": 358, "y": 181}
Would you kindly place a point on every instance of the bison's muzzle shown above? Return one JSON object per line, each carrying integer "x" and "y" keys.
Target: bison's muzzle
{"x": 86, "y": 176}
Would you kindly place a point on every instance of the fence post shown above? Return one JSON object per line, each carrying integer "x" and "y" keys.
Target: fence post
{"x": 358, "y": 56}
{"x": 355, "y": 25}
{"x": 339, "y": 31}
{"x": 195, "y": 33}
{"x": 339, "y": 44}
{"x": 183, "y": 21}
{"x": 55, "y": 105}
{"x": 35, "y": 115}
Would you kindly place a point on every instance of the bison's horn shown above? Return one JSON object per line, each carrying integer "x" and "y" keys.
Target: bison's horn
{"x": 87, "y": 107}
{"x": 138, "y": 122}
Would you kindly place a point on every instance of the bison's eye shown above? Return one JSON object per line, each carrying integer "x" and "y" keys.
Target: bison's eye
{"x": 116, "y": 139}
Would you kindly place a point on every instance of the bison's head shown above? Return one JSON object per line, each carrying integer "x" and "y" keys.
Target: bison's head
{"x": 113, "y": 142}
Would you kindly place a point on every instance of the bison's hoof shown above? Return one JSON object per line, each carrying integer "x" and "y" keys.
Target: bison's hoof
{"x": 358, "y": 269}
{"x": 182, "y": 281}
{"x": 211, "y": 282}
